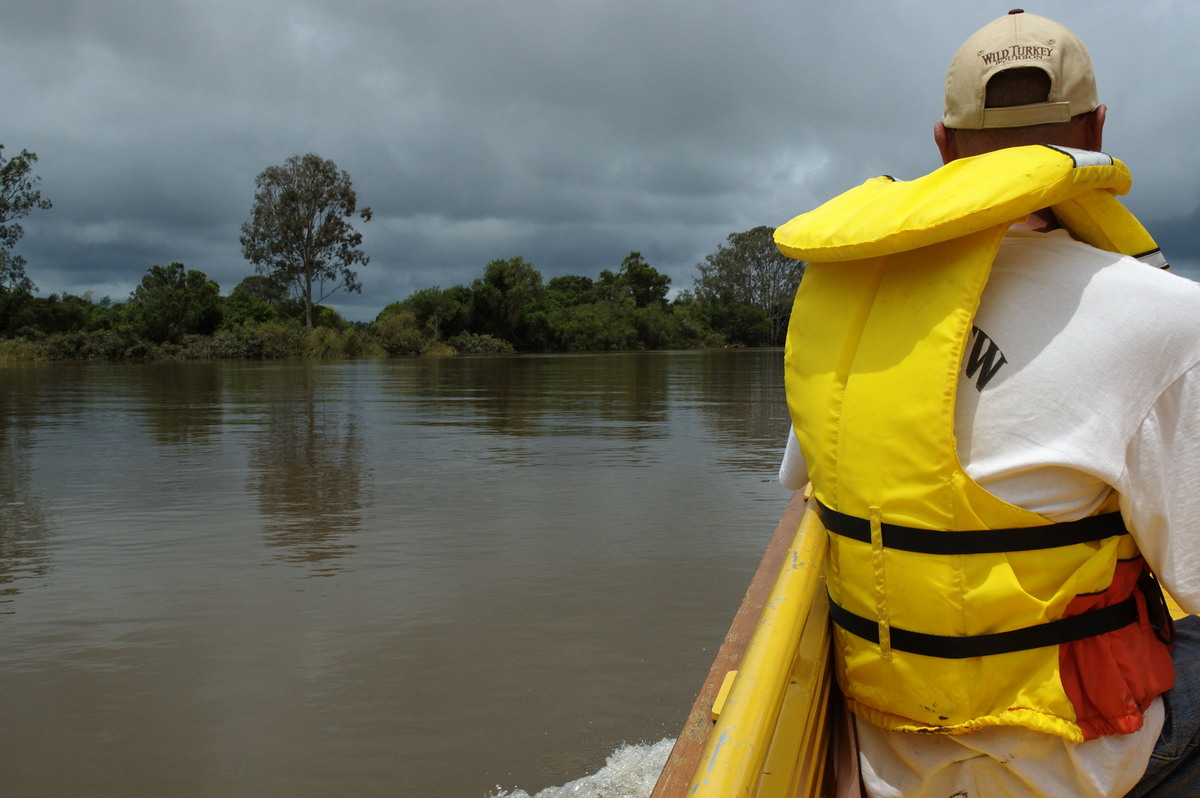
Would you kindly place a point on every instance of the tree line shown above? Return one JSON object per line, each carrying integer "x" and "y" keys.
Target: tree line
{"x": 301, "y": 239}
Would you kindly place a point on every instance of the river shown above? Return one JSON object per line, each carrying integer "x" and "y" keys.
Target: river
{"x": 431, "y": 577}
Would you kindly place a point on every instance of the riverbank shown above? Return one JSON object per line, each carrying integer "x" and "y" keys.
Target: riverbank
{"x": 276, "y": 341}
{"x": 265, "y": 342}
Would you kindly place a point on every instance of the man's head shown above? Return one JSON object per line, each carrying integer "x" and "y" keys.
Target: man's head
{"x": 1020, "y": 79}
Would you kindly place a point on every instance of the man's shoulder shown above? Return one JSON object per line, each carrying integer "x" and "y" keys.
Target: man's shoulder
{"x": 1045, "y": 284}
{"x": 1058, "y": 255}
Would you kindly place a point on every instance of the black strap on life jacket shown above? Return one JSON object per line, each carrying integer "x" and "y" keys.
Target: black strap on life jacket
{"x": 1158, "y": 614}
{"x": 979, "y": 541}
{"x": 990, "y": 541}
{"x": 1051, "y": 633}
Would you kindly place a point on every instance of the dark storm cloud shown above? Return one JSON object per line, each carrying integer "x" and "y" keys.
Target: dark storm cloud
{"x": 569, "y": 133}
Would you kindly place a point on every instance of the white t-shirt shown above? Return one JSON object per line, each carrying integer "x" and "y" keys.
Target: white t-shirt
{"x": 1082, "y": 375}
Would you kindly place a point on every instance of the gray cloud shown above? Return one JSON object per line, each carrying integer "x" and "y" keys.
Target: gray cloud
{"x": 567, "y": 133}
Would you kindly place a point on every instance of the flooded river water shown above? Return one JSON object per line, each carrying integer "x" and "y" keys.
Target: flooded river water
{"x": 425, "y": 577}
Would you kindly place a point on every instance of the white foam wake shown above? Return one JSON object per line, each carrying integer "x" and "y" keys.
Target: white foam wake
{"x": 631, "y": 772}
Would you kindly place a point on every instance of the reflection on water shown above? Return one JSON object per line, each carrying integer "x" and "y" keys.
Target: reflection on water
{"x": 308, "y": 467}
{"x": 23, "y": 528}
{"x": 179, "y": 403}
{"x": 526, "y": 562}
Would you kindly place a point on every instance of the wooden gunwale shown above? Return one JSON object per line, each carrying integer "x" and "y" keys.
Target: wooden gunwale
{"x": 689, "y": 745}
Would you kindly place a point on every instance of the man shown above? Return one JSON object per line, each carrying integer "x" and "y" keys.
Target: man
{"x": 1077, "y": 393}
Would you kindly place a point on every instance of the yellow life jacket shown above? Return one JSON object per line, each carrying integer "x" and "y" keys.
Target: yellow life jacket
{"x": 955, "y": 610}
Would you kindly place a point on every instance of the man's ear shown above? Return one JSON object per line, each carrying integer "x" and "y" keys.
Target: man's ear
{"x": 1096, "y": 128}
{"x": 946, "y": 144}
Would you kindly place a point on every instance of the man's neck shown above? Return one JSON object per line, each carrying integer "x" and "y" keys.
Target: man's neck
{"x": 1042, "y": 221}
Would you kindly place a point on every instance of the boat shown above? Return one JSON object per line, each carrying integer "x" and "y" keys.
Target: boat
{"x": 768, "y": 721}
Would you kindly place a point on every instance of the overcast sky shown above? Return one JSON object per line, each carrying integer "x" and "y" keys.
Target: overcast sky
{"x": 570, "y": 133}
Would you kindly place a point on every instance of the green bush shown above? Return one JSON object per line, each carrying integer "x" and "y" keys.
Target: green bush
{"x": 353, "y": 344}
{"x": 238, "y": 343}
{"x": 323, "y": 342}
{"x": 281, "y": 339}
{"x": 14, "y": 350}
{"x": 439, "y": 349}
{"x": 397, "y": 334}
{"x": 100, "y": 345}
{"x": 475, "y": 344}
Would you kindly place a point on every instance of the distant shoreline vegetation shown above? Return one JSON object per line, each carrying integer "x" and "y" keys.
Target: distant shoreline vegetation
{"x": 302, "y": 242}
{"x": 179, "y": 314}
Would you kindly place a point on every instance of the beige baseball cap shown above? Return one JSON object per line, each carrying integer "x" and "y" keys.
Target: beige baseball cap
{"x": 1012, "y": 41}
